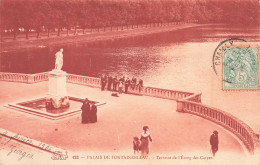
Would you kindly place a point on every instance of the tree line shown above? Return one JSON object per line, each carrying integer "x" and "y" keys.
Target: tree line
{"x": 58, "y": 14}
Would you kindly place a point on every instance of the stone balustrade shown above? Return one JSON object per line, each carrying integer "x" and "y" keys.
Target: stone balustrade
{"x": 186, "y": 103}
{"x": 14, "y": 77}
{"x": 84, "y": 80}
{"x": 228, "y": 121}
{"x": 38, "y": 77}
{"x": 24, "y": 78}
{"x": 194, "y": 97}
{"x": 164, "y": 93}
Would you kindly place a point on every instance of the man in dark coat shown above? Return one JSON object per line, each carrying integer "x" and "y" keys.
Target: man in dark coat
{"x": 103, "y": 82}
{"x": 214, "y": 142}
{"x": 85, "y": 115}
{"x": 109, "y": 82}
{"x": 133, "y": 83}
{"x": 127, "y": 83}
{"x": 115, "y": 83}
{"x": 93, "y": 113}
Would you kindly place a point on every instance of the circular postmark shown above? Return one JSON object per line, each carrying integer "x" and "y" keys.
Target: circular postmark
{"x": 217, "y": 55}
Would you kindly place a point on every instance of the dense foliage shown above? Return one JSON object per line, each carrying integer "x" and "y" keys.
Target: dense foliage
{"x": 57, "y": 14}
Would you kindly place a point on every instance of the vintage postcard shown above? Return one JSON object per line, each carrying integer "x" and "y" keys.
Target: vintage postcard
{"x": 129, "y": 82}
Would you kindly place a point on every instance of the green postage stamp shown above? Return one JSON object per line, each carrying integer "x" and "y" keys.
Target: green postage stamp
{"x": 240, "y": 67}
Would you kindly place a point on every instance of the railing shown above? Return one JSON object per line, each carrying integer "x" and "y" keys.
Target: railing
{"x": 38, "y": 77}
{"x": 24, "y": 78}
{"x": 83, "y": 80}
{"x": 164, "y": 93}
{"x": 14, "y": 77}
{"x": 194, "y": 97}
{"x": 236, "y": 126}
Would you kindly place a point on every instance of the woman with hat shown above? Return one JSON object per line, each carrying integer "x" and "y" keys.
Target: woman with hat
{"x": 214, "y": 142}
{"x": 145, "y": 138}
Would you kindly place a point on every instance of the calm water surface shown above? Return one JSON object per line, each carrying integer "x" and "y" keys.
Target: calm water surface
{"x": 180, "y": 60}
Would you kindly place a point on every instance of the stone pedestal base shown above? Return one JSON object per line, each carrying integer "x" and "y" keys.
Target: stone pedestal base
{"x": 57, "y": 97}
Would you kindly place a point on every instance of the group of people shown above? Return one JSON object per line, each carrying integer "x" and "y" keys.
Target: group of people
{"x": 142, "y": 144}
{"x": 117, "y": 84}
{"x": 89, "y": 112}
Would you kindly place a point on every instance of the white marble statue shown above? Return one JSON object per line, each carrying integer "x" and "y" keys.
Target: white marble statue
{"x": 59, "y": 59}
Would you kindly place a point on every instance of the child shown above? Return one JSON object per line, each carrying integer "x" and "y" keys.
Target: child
{"x": 136, "y": 145}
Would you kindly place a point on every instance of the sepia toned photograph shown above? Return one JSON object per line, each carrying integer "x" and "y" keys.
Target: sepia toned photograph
{"x": 129, "y": 82}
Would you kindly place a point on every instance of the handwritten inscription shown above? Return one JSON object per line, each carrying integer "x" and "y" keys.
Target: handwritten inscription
{"x": 14, "y": 150}
{"x": 20, "y": 138}
{"x": 45, "y": 146}
{"x": 27, "y": 140}
{"x": 15, "y": 145}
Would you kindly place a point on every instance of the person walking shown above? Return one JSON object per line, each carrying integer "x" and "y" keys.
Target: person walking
{"x": 145, "y": 138}
{"x": 85, "y": 115}
{"x": 214, "y": 142}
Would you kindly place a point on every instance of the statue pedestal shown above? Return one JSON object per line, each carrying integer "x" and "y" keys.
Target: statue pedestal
{"x": 57, "y": 90}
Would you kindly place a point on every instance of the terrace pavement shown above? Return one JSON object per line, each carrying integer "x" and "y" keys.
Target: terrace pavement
{"x": 119, "y": 120}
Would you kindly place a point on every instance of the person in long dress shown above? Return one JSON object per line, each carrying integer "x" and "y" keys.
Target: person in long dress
{"x": 93, "y": 113}
{"x": 85, "y": 115}
{"x": 145, "y": 138}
